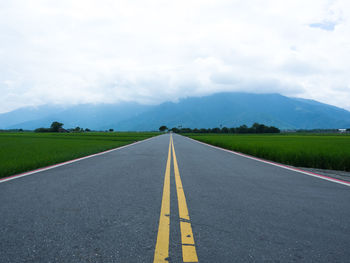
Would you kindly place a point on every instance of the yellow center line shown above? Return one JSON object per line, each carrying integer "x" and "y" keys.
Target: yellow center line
{"x": 189, "y": 253}
{"x": 161, "y": 252}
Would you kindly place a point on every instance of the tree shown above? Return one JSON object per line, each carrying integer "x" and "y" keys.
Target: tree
{"x": 175, "y": 130}
{"x": 42, "y": 130}
{"x": 186, "y": 130}
{"x": 55, "y": 126}
{"x": 261, "y": 128}
{"x": 111, "y": 130}
{"x": 232, "y": 130}
{"x": 78, "y": 129}
{"x": 242, "y": 129}
{"x": 216, "y": 130}
{"x": 273, "y": 129}
{"x": 225, "y": 130}
{"x": 163, "y": 128}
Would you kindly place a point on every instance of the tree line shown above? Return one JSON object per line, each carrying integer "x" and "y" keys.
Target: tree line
{"x": 58, "y": 127}
{"x": 255, "y": 128}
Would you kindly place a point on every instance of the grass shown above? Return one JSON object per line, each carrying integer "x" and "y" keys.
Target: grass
{"x": 325, "y": 151}
{"x": 20, "y": 152}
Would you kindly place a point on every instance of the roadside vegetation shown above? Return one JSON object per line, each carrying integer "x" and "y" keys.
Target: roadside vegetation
{"x": 325, "y": 151}
{"x": 255, "y": 128}
{"x": 24, "y": 151}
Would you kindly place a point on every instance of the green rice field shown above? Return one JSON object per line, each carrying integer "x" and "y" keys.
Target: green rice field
{"x": 20, "y": 152}
{"x": 325, "y": 151}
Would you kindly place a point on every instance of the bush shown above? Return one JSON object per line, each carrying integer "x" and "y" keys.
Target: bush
{"x": 42, "y": 130}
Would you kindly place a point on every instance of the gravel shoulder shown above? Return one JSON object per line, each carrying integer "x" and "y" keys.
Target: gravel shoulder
{"x": 342, "y": 175}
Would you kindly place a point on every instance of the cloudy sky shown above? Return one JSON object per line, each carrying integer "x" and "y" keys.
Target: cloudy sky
{"x": 87, "y": 51}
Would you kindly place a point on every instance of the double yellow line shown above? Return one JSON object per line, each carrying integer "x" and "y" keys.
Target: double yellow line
{"x": 161, "y": 253}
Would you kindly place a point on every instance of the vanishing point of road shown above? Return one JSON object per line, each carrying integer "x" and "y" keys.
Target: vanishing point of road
{"x": 171, "y": 199}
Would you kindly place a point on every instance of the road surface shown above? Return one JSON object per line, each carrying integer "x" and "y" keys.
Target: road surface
{"x": 177, "y": 200}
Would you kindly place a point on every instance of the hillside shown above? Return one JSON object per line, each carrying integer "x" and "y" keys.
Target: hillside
{"x": 235, "y": 109}
{"x": 226, "y": 109}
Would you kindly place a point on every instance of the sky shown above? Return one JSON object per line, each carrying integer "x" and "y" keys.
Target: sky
{"x": 109, "y": 51}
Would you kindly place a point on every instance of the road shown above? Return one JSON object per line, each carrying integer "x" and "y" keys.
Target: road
{"x": 138, "y": 204}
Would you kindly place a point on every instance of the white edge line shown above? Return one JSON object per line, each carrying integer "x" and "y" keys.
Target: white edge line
{"x": 275, "y": 164}
{"x": 12, "y": 177}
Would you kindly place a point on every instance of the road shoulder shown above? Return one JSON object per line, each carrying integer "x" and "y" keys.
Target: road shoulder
{"x": 341, "y": 175}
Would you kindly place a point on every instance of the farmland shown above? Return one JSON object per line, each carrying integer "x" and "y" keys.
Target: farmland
{"x": 325, "y": 151}
{"x": 20, "y": 152}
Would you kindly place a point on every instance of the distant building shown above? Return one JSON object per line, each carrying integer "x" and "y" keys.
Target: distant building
{"x": 342, "y": 130}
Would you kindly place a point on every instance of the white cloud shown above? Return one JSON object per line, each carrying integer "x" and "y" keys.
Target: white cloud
{"x": 152, "y": 51}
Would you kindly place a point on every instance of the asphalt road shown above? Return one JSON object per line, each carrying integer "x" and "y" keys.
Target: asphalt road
{"x": 108, "y": 209}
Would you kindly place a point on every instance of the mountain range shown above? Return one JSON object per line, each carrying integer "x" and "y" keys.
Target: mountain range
{"x": 220, "y": 109}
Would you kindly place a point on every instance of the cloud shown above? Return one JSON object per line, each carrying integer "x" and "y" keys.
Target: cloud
{"x": 326, "y": 25}
{"x": 69, "y": 52}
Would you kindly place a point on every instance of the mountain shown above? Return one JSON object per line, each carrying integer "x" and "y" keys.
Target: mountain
{"x": 226, "y": 109}
{"x": 27, "y": 114}
{"x": 98, "y": 117}
{"x": 235, "y": 109}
